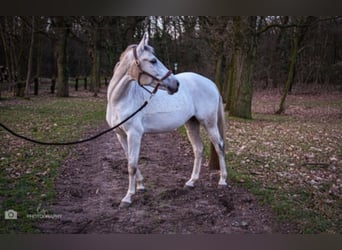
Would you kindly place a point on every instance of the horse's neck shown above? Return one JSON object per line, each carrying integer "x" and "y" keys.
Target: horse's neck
{"x": 121, "y": 89}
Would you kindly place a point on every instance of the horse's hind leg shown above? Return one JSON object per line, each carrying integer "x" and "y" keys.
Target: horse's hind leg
{"x": 193, "y": 131}
{"x": 217, "y": 141}
{"x": 140, "y": 178}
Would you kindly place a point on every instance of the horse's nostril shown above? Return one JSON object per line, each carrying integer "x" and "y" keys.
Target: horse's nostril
{"x": 173, "y": 88}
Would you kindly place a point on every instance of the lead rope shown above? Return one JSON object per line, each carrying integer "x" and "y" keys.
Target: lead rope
{"x": 79, "y": 141}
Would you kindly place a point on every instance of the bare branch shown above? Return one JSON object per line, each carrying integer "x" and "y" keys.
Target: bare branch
{"x": 306, "y": 24}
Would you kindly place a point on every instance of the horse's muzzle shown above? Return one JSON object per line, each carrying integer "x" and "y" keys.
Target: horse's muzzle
{"x": 173, "y": 88}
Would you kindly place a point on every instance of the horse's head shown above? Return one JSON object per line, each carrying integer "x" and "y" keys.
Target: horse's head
{"x": 148, "y": 70}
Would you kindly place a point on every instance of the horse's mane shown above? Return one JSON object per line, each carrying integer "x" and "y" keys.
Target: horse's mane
{"x": 129, "y": 47}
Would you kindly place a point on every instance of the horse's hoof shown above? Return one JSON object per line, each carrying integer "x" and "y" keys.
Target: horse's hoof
{"x": 186, "y": 186}
{"x": 124, "y": 205}
{"x": 141, "y": 191}
{"x": 222, "y": 183}
{"x": 223, "y": 186}
{"x": 141, "y": 188}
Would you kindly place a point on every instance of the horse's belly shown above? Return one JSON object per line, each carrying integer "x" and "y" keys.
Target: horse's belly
{"x": 164, "y": 122}
{"x": 163, "y": 115}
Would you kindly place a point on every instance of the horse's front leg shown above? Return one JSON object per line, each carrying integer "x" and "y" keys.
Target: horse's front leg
{"x": 134, "y": 141}
{"x": 123, "y": 141}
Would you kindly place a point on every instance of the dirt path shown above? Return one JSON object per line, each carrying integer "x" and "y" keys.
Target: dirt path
{"x": 93, "y": 179}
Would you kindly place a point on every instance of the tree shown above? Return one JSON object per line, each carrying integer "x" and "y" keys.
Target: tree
{"x": 221, "y": 44}
{"x": 5, "y": 45}
{"x": 13, "y": 35}
{"x": 62, "y": 31}
{"x": 95, "y": 54}
{"x": 216, "y": 32}
{"x": 241, "y": 67}
{"x": 301, "y": 27}
{"x": 279, "y": 53}
{"x": 222, "y": 48}
{"x": 29, "y": 61}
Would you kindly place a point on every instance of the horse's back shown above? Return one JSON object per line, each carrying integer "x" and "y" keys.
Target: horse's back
{"x": 197, "y": 83}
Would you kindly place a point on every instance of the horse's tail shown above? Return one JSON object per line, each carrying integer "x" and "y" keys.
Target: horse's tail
{"x": 214, "y": 162}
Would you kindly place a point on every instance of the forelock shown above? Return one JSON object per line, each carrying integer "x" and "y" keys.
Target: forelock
{"x": 147, "y": 48}
{"x": 126, "y": 50}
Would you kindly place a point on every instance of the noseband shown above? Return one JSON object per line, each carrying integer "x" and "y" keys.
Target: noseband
{"x": 142, "y": 72}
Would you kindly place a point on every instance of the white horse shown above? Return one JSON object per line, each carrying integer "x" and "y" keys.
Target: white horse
{"x": 189, "y": 99}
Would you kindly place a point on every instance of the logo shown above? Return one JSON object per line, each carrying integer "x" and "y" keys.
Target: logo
{"x": 11, "y": 214}
{"x": 41, "y": 213}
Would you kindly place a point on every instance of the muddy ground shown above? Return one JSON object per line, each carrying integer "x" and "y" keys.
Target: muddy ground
{"x": 93, "y": 179}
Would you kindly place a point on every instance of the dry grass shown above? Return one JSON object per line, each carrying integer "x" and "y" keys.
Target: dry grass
{"x": 292, "y": 162}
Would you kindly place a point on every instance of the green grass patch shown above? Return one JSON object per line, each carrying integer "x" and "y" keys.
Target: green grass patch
{"x": 28, "y": 171}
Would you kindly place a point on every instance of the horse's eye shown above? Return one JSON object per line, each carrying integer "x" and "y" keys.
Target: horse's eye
{"x": 153, "y": 61}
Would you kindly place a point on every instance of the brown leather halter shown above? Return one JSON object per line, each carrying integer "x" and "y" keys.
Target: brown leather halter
{"x": 142, "y": 72}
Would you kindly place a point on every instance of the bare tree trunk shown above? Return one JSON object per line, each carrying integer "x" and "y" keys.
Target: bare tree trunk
{"x": 7, "y": 47}
{"x": 95, "y": 75}
{"x": 229, "y": 86}
{"x": 4, "y": 43}
{"x": 61, "y": 54}
{"x": 95, "y": 68}
{"x": 15, "y": 54}
{"x": 39, "y": 55}
{"x": 242, "y": 67}
{"x": 29, "y": 61}
{"x": 299, "y": 32}
{"x": 293, "y": 59}
{"x": 276, "y": 58}
{"x": 218, "y": 72}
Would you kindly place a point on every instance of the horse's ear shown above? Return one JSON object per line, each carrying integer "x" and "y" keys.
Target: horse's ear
{"x": 142, "y": 44}
{"x": 146, "y": 39}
